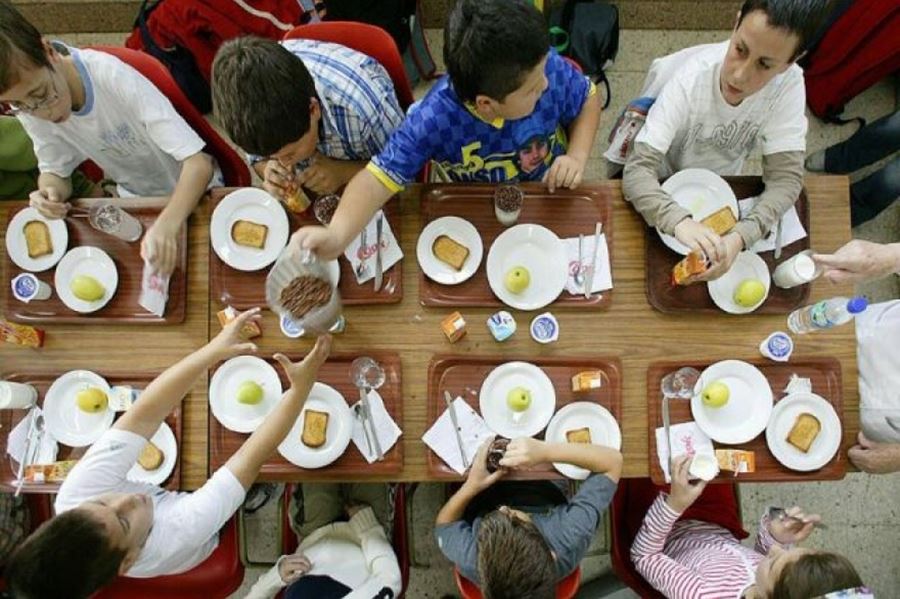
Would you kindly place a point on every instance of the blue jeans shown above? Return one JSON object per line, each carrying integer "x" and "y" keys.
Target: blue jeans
{"x": 873, "y": 142}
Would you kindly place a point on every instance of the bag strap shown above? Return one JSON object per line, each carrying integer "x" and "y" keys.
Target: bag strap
{"x": 601, "y": 79}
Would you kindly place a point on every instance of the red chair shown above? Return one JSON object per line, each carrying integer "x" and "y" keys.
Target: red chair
{"x": 217, "y": 577}
{"x": 368, "y": 39}
{"x": 565, "y": 588}
{"x": 234, "y": 170}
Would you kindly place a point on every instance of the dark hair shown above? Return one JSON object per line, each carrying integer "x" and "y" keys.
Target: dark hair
{"x": 68, "y": 556}
{"x": 800, "y": 17}
{"x": 20, "y": 44}
{"x": 816, "y": 574}
{"x": 490, "y": 46}
{"x": 261, "y": 94}
{"x": 514, "y": 560}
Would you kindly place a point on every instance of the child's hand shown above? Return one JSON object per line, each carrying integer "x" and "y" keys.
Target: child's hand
{"x": 320, "y": 240}
{"x": 564, "y": 172}
{"x": 160, "y": 247}
{"x": 794, "y": 528}
{"x": 229, "y": 343}
{"x": 322, "y": 176}
{"x": 303, "y": 372}
{"x": 682, "y": 493}
{"x": 277, "y": 179}
{"x": 523, "y": 453}
{"x": 48, "y": 202}
{"x": 293, "y": 567}
{"x": 698, "y": 236}
{"x": 479, "y": 478}
{"x": 734, "y": 243}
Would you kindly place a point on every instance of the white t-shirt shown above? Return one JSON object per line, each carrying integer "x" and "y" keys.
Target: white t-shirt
{"x": 878, "y": 356}
{"x": 126, "y": 126}
{"x": 185, "y": 525}
{"x": 693, "y": 125}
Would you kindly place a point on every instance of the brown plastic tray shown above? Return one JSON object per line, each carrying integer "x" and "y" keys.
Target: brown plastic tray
{"x": 244, "y": 290}
{"x": 123, "y": 307}
{"x": 463, "y": 375}
{"x": 825, "y": 374}
{"x": 42, "y": 380}
{"x": 565, "y": 212}
{"x": 666, "y": 297}
{"x": 223, "y": 443}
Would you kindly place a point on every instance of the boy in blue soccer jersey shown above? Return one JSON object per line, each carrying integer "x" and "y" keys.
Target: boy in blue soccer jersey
{"x": 509, "y": 109}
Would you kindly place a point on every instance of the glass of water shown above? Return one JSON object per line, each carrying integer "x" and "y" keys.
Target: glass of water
{"x": 680, "y": 384}
{"x": 111, "y": 219}
{"x": 366, "y": 373}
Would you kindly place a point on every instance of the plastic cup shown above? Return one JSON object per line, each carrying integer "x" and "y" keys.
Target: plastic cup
{"x": 27, "y": 287}
{"x": 508, "y": 200}
{"x": 18, "y": 396}
{"x": 112, "y": 220}
{"x": 798, "y": 270}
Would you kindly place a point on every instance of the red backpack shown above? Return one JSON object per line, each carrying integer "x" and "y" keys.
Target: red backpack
{"x": 859, "y": 47}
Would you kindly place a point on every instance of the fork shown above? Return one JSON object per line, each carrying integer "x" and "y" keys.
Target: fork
{"x": 362, "y": 267}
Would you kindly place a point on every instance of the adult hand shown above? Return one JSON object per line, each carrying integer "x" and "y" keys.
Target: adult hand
{"x": 523, "y": 453}
{"x": 565, "y": 171}
{"x": 292, "y": 567}
{"x": 733, "y": 243}
{"x": 323, "y": 175}
{"x": 479, "y": 478}
{"x": 48, "y": 202}
{"x": 698, "y": 236}
{"x": 859, "y": 260}
{"x": 278, "y": 179}
{"x": 229, "y": 342}
{"x": 322, "y": 241}
{"x": 160, "y": 247}
{"x": 301, "y": 372}
{"x": 682, "y": 493}
{"x": 794, "y": 528}
{"x": 873, "y": 457}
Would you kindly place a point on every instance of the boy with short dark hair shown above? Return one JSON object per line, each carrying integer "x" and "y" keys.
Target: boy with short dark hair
{"x": 316, "y": 109}
{"x": 716, "y": 106}
{"x": 510, "y": 109}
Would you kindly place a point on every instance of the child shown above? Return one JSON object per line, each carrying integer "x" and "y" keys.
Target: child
{"x": 509, "y": 109}
{"x": 108, "y": 526}
{"x": 512, "y": 552}
{"x": 84, "y": 104}
{"x": 312, "y": 107}
{"x": 722, "y": 101}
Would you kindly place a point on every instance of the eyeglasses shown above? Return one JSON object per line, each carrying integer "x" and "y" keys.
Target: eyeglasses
{"x": 38, "y": 105}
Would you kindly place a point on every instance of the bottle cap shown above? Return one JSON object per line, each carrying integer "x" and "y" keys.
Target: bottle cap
{"x": 545, "y": 328}
{"x": 857, "y": 305}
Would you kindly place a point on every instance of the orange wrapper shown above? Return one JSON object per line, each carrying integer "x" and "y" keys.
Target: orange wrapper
{"x": 21, "y": 334}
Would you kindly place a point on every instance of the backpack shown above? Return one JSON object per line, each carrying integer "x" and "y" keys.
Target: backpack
{"x": 858, "y": 46}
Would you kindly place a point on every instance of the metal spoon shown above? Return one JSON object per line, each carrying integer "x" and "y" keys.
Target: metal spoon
{"x": 357, "y": 411}
{"x": 362, "y": 267}
{"x": 579, "y": 274}
{"x": 32, "y": 450}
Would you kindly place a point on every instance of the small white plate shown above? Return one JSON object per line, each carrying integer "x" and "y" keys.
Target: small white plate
{"x": 580, "y": 414}
{"x": 492, "y": 400}
{"x": 749, "y": 403}
{"x": 825, "y": 445}
{"x": 747, "y": 265}
{"x": 163, "y": 438}
{"x": 322, "y": 398}
{"x": 539, "y": 250}
{"x": 700, "y": 192}
{"x": 17, "y": 249}
{"x": 91, "y": 261}
{"x": 223, "y": 388}
{"x": 254, "y": 205}
{"x": 460, "y": 231}
{"x": 65, "y": 420}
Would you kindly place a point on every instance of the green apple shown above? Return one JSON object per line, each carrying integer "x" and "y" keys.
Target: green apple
{"x": 517, "y": 279}
{"x": 518, "y": 399}
{"x": 86, "y": 288}
{"x": 250, "y": 393}
{"x": 749, "y": 292}
{"x": 716, "y": 394}
{"x": 91, "y": 400}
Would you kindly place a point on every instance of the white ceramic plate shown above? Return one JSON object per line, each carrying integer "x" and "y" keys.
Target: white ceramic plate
{"x": 86, "y": 260}
{"x": 749, "y": 403}
{"x": 17, "y": 249}
{"x": 747, "y": 265}
{"x": 460, "y": 231}
{"x": 492, "y": 400}
{"x": 539, "y": 250}
{"x": 223, "y": 388}
{"x": 65, "y": 420}
{"x": 254, "y": 205}
{"x": 700, "y": 192}
{"x": 580, "y": 414}
{"x": 825, "y": 445}
{"x": 322, "y": 398}
{"x": 163, "y": 438}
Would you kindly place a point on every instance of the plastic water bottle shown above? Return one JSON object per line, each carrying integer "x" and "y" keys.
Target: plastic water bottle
{"x": 825, "y": 314}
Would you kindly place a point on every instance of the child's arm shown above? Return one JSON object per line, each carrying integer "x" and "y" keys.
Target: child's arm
{"x": 568, "y": 170}
{"x": 167, "y": 390}
{"x": 477, "y": 480}
{"x": 783, "y": 180}
{"x": 384, "y": 570}
{"x": 160, "y": 244}
{"x": 525, "y": 452}
{"x": 50, "y": 197}
{"x": 249, "y": 458}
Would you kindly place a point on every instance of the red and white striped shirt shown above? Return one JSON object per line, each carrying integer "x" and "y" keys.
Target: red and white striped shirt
{"x": 691, "y": 559}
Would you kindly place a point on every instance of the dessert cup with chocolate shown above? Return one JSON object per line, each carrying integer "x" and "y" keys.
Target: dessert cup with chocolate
{"x": 325, "y": 206}
{"x": 300, "y": 286}
{"x": 508, "y": 201}
{"x": 495, "y": 454}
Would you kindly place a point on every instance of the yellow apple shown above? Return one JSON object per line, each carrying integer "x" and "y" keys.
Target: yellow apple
{"x": 250, "y": 393}
{"x": 518, "y": 399}
{"x": 517, "y": 279}
{"x": 92, "y": 400}
{"x": 749, "y": 292}
{"x": 716, "y": 394}
{"x": 87, "y": 288}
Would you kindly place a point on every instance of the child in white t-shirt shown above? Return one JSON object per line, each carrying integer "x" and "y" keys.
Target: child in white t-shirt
{"x": 82, "y": 105}
{"x": 108, "y": 526}
{"x": 719, "y": 103}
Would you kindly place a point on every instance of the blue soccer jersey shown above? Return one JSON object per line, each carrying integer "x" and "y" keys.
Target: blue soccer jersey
{"x": 467, "y": 148}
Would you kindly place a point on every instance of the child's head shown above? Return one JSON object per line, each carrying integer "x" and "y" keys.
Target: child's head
{"x": 802, "y": 573}
{"x": 84, "y": 548}
{"x": 514, "y": 560}
{"x": 265, "y": 99}
{"x": 769, "y": 36}
{"x": 30, "y": 78}
{"x": 495, "y": 51}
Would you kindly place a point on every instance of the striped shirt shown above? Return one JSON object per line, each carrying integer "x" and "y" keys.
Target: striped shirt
{"x": 690, "y": 559}
{"x": 357, "y": 98}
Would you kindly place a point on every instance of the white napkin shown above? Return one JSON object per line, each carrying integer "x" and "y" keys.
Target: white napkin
{"x": 15, "y": 443}
{"x": 390, "y": 249}
{"x": 385, "y": 428}
{"x": 472, "y": 428}
{"x": 154, "y": 291}
{"x": 687, "y": 438}
{"x": 798, "y": 384}
{"x": 791, "y": 229}
{"x": 603, "y": 274}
